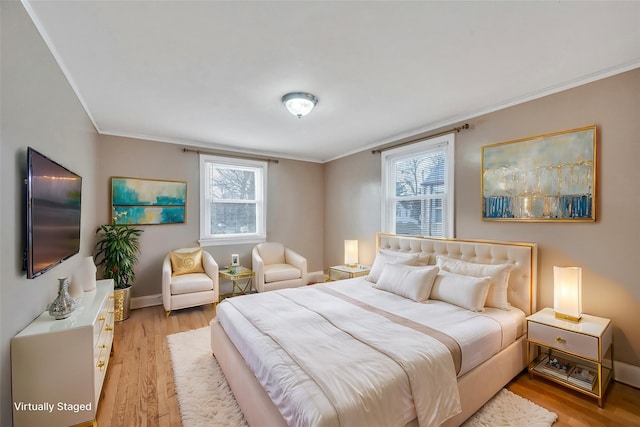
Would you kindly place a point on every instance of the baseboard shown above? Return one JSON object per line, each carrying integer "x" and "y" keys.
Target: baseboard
{"x": 146, "y": 301}
{"x": 627, "y": 374}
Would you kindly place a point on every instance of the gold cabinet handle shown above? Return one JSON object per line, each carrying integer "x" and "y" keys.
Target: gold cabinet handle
{"x": 560, "y": 340}
{"x": 100, "y": 364}
{"x": 101, "y": 318}
{"x": 108, "y": 328}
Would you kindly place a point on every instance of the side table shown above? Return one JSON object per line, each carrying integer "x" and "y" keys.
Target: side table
{"x": 241, "y": 277}
{"x": 340, "y": 272}
{"x": 578, "y": 355}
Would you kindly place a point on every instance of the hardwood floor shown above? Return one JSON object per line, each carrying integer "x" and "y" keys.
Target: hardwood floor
{"x": 139, "y": 389}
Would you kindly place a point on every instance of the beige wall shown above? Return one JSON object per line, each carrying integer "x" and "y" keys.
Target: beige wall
{"x": 608, "y": 250}
{"x": 39, "y": 109}
{"x": 294, "y": 205}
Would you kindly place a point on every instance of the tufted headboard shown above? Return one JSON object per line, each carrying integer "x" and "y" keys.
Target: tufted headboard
{"x": 523, "y": 277}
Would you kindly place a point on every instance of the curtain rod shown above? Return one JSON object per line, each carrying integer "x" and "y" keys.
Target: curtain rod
{"x": 234, "y": 156}
{"x": 422, "y": 138}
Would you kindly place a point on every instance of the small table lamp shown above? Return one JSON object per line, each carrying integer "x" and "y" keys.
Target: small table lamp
{"x": 567, "y": 293}
{"x": 351, "y": 252}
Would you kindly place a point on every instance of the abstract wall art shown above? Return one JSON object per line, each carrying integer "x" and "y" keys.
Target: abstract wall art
{"x": 543, "y": 178}
{"x": 136, "y": 201}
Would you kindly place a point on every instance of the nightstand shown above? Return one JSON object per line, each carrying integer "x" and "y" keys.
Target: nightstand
{"x": 578, "y": 355}
{"x": 339, "y": 272}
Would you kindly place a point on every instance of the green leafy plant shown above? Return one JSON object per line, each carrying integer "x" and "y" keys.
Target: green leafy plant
{"x": 117, "y": 252}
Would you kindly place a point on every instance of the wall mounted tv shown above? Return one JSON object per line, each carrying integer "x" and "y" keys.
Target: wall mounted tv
{"x": 53, "y": 213}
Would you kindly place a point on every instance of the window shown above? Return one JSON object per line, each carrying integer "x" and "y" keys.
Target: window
{"x": 232, "y": 200}
{"x": 417, "y": 188}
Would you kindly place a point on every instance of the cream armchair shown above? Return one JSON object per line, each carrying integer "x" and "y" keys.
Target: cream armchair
{"x": 277, "y": 267}
{"x": 187, "y": 288}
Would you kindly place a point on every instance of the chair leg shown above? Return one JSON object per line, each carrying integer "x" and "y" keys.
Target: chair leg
{"x": 168, "y": 312}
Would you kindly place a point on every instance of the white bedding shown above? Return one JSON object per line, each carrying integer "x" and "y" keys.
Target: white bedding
{"x": 376, "y": 377}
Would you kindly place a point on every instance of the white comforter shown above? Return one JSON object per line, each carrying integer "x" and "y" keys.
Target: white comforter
{"x": 325, "y": 362}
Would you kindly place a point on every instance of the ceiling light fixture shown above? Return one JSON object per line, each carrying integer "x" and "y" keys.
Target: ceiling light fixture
{"x": 299, "y": 103}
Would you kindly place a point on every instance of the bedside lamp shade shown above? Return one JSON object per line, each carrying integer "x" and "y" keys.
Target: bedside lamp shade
{"x": 351, "y": 252}
{"x": 567, "y": 293}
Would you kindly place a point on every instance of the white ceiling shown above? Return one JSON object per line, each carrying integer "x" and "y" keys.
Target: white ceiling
{"x": 212, "y": 73}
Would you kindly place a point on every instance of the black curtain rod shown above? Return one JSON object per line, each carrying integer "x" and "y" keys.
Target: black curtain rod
{"x": 233, "y": 156}
{"x": 418, "y": 139}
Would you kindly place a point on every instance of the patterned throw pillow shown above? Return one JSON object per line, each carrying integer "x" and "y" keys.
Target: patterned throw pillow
{"x": 186, "y": 262}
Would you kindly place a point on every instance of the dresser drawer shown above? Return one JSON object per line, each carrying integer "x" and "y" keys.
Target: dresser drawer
{"x": 571, "y": 342}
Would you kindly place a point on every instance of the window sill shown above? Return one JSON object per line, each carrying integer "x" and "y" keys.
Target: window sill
{"x": 231, "y": 240}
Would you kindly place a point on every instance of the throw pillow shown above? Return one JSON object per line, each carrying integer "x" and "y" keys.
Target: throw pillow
{"x": 186, "y": 262}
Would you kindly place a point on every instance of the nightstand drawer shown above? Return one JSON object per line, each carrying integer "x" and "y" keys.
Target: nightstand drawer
{"x": 571, "y": 342}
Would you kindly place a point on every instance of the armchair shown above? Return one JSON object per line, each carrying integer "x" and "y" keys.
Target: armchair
{"x": 277, "y": 267}
{"x": 193, "y": 283}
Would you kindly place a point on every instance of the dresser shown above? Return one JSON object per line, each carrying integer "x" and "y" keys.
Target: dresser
{"x": 58, "y": 366}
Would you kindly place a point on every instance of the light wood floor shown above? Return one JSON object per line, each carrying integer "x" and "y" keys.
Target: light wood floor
{"x": 139, "y": 389}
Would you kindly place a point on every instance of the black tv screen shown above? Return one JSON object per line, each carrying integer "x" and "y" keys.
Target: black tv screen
{"x": 53, "y": 213}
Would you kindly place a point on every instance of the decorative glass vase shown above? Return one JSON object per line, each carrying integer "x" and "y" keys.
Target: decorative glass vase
{"x": 63, "y": 305}
{"x": 85, "y": 276}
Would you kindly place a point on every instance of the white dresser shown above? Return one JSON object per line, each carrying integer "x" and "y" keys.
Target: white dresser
{"x": 58, "y": 366}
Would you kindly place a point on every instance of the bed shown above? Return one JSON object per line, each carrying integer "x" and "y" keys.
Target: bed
{"x": 372, "y": 333}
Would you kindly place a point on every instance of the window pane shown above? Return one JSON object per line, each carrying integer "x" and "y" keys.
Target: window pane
{"x": 423, "y": 174}
{"x": 235, "y": 184}
{"x": 420, "y": 217}
{"x": 233, "y": 218}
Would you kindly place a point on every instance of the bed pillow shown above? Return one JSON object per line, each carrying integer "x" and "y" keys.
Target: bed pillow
{"x": 186, "y": 262}
{"x": 464, "y": 291}
{"x": 498, "y": 277}
{"x": 407, "y": 281}
{"x": 384, "y": 258}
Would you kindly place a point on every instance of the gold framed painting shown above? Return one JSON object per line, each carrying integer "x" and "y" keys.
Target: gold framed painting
{"x": 136, "y": 201}
{"x": 543, "y": 178}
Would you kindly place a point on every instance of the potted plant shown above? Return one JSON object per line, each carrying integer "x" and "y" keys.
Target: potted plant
{"x": 117, "y": 254}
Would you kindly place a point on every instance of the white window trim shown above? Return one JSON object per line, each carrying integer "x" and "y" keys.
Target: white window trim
{"x": 388, "y": 187}
{"x": 206, "y": 239}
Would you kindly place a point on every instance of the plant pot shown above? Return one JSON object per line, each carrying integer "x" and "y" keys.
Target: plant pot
{"x": 121, "y": 303}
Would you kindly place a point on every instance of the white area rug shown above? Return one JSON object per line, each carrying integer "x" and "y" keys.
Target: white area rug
{"x": 206, "y": 399}
{"x": 203, "y": 393}
{"x": 507, "y": 409}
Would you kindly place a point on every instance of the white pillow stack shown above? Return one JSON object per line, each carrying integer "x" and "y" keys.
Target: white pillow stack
{"x": 498, "y": 275}
{"x": 466, "y": 284}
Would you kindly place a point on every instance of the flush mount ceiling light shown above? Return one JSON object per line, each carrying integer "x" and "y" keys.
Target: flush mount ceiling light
{"x": 299, "y": 103}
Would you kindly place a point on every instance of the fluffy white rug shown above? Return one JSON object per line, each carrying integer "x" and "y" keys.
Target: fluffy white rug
{"x": 206, "y": 399}
{"x": 507, "y": 409}
{"x": 203, "y": 393}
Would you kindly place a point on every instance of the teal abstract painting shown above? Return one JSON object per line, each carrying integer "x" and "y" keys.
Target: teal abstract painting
{"x": 544, "y": 178}
{"x": 136, "y": 201}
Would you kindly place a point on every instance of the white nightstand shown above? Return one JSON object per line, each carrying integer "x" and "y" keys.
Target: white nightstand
{"x": 585, "y": 346}
{"x": 339, "y": 272}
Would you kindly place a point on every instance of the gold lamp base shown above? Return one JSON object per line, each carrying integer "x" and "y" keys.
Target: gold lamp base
{"x": 568, "y": 317}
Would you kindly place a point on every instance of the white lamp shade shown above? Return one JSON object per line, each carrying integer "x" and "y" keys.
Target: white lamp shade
{"x": 351, "y": 252}
{"x": 567, "y": 292}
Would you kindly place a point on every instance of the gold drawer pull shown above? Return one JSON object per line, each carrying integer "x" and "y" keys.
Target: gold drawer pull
{"x": 560, "y": 340}
{"x": 101, "y": 364}
{"x": 108, "y": 328}
{"x": 101, "y": 318}
{"x": 102, "y": 346}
